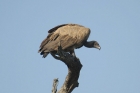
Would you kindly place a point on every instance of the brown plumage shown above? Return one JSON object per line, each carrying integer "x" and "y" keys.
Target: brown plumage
{"x": 70, "y": 36}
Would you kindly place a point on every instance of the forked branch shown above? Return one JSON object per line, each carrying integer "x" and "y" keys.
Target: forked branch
{"x": 74, "y": 67}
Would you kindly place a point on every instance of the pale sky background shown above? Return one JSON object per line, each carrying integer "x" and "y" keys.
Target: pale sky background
{"x": 115, "y": 24}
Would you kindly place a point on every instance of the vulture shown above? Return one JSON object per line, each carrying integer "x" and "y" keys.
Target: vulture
{"x": 69, "y": 36}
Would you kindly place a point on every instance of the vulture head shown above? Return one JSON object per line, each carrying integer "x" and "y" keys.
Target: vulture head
{"x": 96, "y": 45}
{"x": 92, "y": 44}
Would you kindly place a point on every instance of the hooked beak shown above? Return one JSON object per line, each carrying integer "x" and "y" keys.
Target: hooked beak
{"x": 98, "y": 47}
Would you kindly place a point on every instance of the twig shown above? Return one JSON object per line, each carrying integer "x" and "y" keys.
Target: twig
{"x": 55, "y": 84}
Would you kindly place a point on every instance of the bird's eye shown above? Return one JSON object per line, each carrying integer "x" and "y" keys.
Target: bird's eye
{"x": 96, "y": 44}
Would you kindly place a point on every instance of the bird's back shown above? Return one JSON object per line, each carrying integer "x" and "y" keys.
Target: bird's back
{"x": 77, "y": 32}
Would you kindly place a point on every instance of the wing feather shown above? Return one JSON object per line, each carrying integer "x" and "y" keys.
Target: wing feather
{"x": 64, "y": 41}
{"x": 70, "y": 36}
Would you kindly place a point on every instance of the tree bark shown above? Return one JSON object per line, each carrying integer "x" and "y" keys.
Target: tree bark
{"x": 74, "y": 66}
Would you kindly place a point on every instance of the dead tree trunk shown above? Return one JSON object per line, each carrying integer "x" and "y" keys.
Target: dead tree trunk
{"x": 74, "y": 67}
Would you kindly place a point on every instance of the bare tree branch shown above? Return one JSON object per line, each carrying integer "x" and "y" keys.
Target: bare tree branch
{"x": 74, "y": 67}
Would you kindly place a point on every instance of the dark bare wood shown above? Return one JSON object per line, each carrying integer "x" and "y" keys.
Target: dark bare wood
{"x": 74, "y": 67}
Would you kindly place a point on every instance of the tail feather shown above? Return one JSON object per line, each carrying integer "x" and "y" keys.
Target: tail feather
{"x": 39, "y": 50}
{"x": 44, "y": 54}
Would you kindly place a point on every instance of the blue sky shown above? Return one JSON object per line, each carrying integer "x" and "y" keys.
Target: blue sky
{"x": 115, "y": 24}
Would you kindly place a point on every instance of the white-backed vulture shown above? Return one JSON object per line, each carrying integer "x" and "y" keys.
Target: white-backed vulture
{"x": 70, "y": 36}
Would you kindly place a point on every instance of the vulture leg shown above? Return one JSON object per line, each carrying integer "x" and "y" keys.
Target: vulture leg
{"x": 56, "y": 57}
{"x": 72, "y": 53}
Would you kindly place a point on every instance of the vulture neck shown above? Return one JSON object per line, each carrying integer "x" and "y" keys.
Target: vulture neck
{"x": 88, "y": 44}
